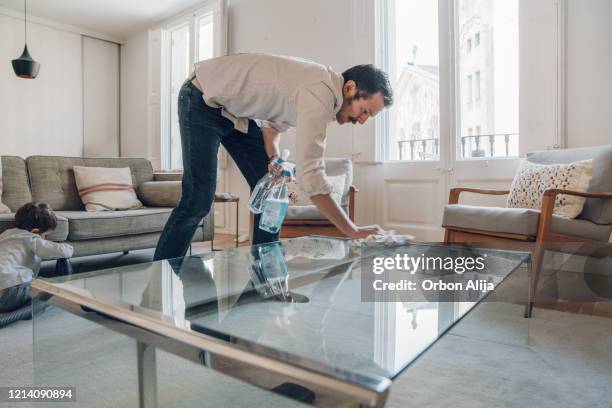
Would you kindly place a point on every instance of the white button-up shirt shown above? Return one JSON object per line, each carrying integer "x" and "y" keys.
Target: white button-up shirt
{"x": 281, "y": 92}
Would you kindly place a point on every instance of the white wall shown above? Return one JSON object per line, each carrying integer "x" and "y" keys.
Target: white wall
{"x": 134, "y": 79}
{"x": 44, "y": 115}
{"x": 100, "y": 98}
{"x": 589, "y": 71}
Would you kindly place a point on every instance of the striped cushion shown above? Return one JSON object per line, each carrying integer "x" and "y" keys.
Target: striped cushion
{"x": 106, "y": 189}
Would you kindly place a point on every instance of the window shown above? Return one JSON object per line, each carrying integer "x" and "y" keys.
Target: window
{"x": 409, "y": 52}
{"x": 186, "y": 40}
{"x": 411, "y": 60}
{"x": 495, "y": 71}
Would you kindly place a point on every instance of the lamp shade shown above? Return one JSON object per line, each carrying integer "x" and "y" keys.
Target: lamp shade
{"x": 25, "y": 66}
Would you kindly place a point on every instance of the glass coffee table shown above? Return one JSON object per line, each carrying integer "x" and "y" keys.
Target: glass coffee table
{"x": 293, "y": 322}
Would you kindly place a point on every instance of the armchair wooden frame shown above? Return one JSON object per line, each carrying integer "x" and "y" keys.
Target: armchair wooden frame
{"x": 544, "y": 239}
{"x": 299, "y": 228}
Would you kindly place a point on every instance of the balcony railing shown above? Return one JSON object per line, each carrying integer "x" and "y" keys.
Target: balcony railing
{"x": 471, "y": 147}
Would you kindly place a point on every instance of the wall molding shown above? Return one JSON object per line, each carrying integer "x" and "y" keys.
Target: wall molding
{"x": 561, "y": 141}
{"x": 59, "y": 26}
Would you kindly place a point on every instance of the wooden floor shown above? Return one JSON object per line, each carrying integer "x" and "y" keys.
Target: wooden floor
{"x": 222, "y": 241}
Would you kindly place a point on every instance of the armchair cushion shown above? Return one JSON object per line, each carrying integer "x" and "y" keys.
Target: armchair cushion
{"x": 595, "y": 209}
{"x": 532, "y": 179}
{"x": 522, "y": 221}
{"x": 337, "y": 167}
{"x": 307, "y": 212}
{"x": 299, "y": 197}
{"x": 334, "y": 167}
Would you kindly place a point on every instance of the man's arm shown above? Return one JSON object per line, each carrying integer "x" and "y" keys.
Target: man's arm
{"x": 271, "y": 139}
{"x": 330, "y": 209}
{"x": 312, "y": 120}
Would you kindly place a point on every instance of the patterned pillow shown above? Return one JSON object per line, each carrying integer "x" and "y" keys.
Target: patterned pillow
{"x": 106, "y": 189}
{"x": 3, "y": 208}
{"x": 299, "y": 197}
{"x": 533, "y": 179}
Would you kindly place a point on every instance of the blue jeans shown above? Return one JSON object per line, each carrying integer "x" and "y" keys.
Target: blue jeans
{"x": 203, "y": 129}
{"x": 14, "y": 297}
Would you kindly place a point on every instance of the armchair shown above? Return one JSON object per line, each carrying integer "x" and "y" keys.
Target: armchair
{"x": 307, "y": 220}
{"x": 539, "y": 230}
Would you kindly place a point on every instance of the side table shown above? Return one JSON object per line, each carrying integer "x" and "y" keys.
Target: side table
{"x": 227, "y": 198}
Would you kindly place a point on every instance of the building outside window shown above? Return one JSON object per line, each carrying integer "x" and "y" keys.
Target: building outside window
{"x": 495, "y": 75}
{"x": 490, "y": 76}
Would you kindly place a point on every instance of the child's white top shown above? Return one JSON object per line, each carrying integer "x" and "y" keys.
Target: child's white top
{"x": 21, "y": 253}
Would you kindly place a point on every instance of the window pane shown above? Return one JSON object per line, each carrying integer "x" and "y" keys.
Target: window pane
{"x": 487, "y": 48}
{"x": 179, "y": 70}
{"x": 205, "y": 38}
{"x": 414, "y": 130}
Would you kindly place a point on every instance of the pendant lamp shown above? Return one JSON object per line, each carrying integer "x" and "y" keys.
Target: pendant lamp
{"x": 25, "y": 66}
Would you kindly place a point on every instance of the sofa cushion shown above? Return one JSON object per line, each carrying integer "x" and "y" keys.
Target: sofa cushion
{"x": 106, "y": 188}
{"x": 7, "y": 221}
{"x": 306, "y": 212}
{"x": 518, "y": 221}
{"x": 87, "y": 247}
{"x": 103, "y": 224}
{"x": 595, "y": 209}
{"x": 52, "y": 178}
{"x": 16, "y": 188}
{"x": 160, "y": 193}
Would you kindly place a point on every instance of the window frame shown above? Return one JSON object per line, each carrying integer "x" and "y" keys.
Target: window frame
{"x": 450, "y": 82}
{"x": 216, "y": 8}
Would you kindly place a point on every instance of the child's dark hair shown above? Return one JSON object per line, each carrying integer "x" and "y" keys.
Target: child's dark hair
{"x": 35, "y": 215}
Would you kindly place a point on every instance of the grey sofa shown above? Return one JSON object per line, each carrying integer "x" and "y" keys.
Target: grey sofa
{"x": 50, "y": 179}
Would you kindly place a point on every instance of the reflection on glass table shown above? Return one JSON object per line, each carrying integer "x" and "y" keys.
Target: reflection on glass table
{"x": 287, "y": 317}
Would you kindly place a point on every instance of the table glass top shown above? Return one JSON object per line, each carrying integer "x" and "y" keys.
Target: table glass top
{"x": 308, "y": 300}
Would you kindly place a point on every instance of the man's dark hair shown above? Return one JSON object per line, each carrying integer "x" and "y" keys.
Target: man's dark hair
{"x": 35, "y": 215}
{"x": 369, "y": 80}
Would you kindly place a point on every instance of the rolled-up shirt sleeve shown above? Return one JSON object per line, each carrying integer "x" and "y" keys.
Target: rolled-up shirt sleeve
{"x": 279, "y": 127}
{"x": 312, "y": 120}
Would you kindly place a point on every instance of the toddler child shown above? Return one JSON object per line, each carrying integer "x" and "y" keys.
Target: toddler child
{"x": 21, "y": 251}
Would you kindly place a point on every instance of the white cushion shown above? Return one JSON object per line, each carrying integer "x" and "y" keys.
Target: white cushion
{"x": 532, "y": 180}
{"x": 106, "y": 189}
{"x": 300, "y": 198}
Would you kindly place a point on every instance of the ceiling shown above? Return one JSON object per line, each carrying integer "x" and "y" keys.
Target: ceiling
{"x": 115, "y": 18}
